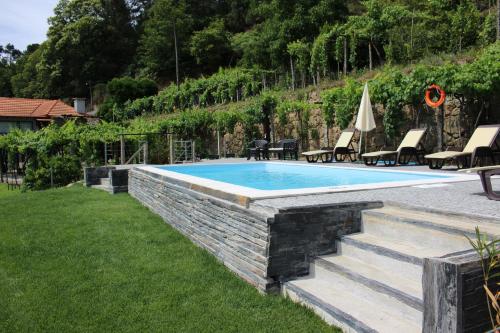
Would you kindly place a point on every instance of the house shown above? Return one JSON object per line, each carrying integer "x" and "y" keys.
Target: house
{"x": 33, "y": 114}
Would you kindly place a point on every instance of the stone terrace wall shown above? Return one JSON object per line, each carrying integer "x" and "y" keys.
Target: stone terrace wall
{"x": 236, "y": 236}
{"x": 456, "y": 128}
{"x": 262, "y": 247}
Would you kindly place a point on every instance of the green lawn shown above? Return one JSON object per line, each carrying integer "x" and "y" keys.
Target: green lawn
{"x": 81, "y": 260}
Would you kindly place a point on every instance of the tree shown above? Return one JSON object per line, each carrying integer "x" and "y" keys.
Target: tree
{"x": 464, "y": 23}
{"x": 88, "y": 41}
{"x": 211, "y": 46}
{"x": 299, "y": 53}
{"x": 8, "y": 58}
{"x": 164, "y": 40}
{"x": 28, "y": 81}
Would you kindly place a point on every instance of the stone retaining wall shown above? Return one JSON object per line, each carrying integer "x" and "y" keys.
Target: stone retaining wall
{"x": 264, "y": 248}
{"x": 454, "y": 297}
{"x": 457, "y": 128}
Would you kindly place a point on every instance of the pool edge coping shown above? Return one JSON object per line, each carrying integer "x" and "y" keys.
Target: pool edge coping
{"x": 244, "y": 195}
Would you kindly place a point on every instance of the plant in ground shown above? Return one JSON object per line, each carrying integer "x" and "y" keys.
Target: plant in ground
{"x": 489, "y": 252}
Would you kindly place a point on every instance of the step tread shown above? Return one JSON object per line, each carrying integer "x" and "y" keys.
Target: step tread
{"x": 404, "y": 248}
{"x": 392, "y": 279}
{"x": 106, "y": 188}
{"x": 419, "y": 233}
{"x": 461, "y": 223}
{"x": 376, "y": 310}
{"x": 409, "y": 269}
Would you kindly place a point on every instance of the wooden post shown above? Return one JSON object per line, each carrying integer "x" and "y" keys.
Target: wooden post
{"x": 218, "y": 143}
{"x": 224, "y": 147}
{"x": 122, "y": 149}
{"x": 439, "y": 125}
{"x": 146, "y": 152}
{"x": 193, "y": 151}
{"x": 345, "y": 56}
{"x": 171, "y": 145}
{"x": 105, "y": 153}
{"x": 326, "y": 142}
{"x": 370, "y": 55}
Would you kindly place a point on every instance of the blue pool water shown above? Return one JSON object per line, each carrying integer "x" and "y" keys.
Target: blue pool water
{"x": 276, "y": 176}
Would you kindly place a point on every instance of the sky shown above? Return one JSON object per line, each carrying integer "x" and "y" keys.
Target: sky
{"x": 24, "y": 22}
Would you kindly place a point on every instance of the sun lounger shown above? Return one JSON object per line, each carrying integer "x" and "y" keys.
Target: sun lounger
{"x": 485, "y": 173}
{"x": 286, "y": 147}
{"x": 479, "y": 147}
{"x": 258, "y": 149}
{"x": 410, "y": 148}
{"x": 342, "y": 150}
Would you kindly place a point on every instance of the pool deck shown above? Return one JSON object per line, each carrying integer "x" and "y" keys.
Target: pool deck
{"x": 464, "y": 198}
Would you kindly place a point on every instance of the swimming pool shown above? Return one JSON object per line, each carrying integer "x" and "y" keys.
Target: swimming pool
{"x": 280, "y": 176}
{"x": 256, "y": 180}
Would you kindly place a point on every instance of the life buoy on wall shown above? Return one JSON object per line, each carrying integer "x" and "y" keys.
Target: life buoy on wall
{"x": 437, "y": 90}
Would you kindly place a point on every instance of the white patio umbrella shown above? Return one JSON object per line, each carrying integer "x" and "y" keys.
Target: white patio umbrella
{"x": 365, "y": 121}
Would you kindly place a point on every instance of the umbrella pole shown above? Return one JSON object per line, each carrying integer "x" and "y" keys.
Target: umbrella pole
{"x": 360, "y": 144}
{"x": 366, "y": 140}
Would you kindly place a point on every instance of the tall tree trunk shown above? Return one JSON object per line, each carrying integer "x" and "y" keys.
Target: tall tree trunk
{"x": 293, "y": 73}
{"x": 380, "y": 60}
{"x": 176, "y": 55}
{"x": 303, "y": 75}
{"x": 345, "y": 56}
{"x": 370, "y": 54}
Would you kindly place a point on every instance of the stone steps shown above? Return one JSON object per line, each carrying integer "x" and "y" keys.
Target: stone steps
{"x": 432, "y": 220}
{"x": 351, "y": 305}
{"x": 391, "y": 283}
{"x": 374, "y": 281}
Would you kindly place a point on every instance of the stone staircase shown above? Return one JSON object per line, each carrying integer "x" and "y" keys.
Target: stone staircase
{"x": 109, "y": 179}
{"x": 374, "y": 281}
{"x": 104, "y": 184}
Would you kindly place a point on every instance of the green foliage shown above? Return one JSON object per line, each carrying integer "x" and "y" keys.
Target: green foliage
{"x": 88, "y": 41}
{"x": 93, "y": 41}
{"x": 388, "y": 90}
{"x": 226, "y": 121}
{"x": 211, "y": 46}
{"x": 464, "y": 23}
{"x": 58, "y": 170}
{"x": 124, "y": 89}
{"x": 488, "y": 32}
{"x": 118, "y": 105}
{"x": 300, "y": 54}
{"x": 226, "y": 85}
{"x": 58, "y": 152}
{"x": 138, "y": 107}
{"x": 341, "y": 103}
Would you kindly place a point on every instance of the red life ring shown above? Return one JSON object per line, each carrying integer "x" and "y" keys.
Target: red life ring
{"x": 436, "y": 89}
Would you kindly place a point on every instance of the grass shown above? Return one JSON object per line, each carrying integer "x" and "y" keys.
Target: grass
{"x": 81, "y": 260}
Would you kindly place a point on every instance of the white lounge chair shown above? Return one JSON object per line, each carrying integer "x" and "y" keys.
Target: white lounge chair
{"x": 479, "y": 146}
{"x": 410, "y": 147}
{"x": 342, "y": 150}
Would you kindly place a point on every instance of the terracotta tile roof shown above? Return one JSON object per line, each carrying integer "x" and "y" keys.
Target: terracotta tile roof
{"x": 35, "y": 108}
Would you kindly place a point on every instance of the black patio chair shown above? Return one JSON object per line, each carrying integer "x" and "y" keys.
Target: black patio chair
{"x": 258, "y": 149}
{"x": 286, "y": 147}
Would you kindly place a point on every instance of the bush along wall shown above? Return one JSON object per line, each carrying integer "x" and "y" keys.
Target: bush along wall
{"x": 54, "y": 155}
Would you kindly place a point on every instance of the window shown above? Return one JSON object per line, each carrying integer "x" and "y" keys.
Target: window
{"x": 7, "y": 126}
